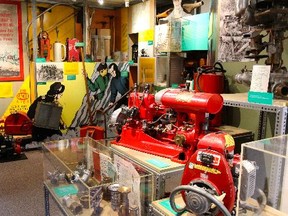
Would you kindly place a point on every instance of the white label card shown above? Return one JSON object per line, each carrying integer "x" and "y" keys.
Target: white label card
{"x": 260, "y": 78}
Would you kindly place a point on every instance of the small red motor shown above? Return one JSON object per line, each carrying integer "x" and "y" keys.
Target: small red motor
{"x": 18, "y": 124}
{"x": 208, "y": 177}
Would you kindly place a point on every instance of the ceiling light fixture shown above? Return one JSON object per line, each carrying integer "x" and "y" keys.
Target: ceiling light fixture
{"x": 126, "y": 3}
{"x": 101, "y": 2}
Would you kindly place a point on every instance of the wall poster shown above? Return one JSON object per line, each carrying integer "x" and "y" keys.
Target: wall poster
{"x": 11, "y": 52}
{"x": 232, "y": 46}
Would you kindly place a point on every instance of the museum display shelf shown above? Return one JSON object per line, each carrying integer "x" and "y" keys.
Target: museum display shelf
{"x": 279, "y": 107}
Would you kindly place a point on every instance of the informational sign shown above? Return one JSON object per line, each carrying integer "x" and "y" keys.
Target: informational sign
{"x": 259, "y": 85}
{"x": 129, "y": 177}
{"x": 11, "y": 52}
{"x": 21, "y": 100}
{"x": 260, "y": 78}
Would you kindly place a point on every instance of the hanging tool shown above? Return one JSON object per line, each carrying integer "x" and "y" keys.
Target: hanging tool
{"x": 80, "y": 46}
{"x": 44, "y": 45}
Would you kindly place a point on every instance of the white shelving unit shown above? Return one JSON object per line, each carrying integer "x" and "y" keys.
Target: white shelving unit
{"x": 279, "y": 107}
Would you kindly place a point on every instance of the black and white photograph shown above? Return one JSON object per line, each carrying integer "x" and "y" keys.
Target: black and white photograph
{"x": 50, "y": 71}
{"x": 232, "y": 44}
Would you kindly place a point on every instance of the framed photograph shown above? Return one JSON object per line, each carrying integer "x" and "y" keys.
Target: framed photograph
{"x": 11, "y": 52}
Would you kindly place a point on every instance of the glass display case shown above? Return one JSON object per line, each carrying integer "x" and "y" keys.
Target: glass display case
{"x": 86, "y": 178}
{"x": 167, "y": 174}
{"x": 263, "y": 183}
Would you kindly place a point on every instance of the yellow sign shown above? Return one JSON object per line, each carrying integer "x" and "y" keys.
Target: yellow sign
{"x": 146, "y": 70}
{"x": 6, "y": 90}
{"x": 21, "y": 100}
{"x": 147, "y": 35}
{"x": 71, "y": 68}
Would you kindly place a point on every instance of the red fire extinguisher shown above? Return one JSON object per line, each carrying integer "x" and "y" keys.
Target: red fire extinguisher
{"x": 44, "y": 45}
{"x": 210, "y": 79}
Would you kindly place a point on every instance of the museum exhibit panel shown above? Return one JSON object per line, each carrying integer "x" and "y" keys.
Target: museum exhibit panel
{"x": 143, "y": 107}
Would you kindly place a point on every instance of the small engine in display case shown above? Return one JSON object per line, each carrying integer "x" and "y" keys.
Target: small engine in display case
{"x": 88, "y": 178}
{"x": 262, "y": 188}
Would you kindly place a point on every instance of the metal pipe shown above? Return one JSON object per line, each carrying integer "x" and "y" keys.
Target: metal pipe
{"x": 280, "y": 89}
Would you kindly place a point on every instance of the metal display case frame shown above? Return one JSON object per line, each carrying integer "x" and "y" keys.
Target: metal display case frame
{"x": 269, "y": 157}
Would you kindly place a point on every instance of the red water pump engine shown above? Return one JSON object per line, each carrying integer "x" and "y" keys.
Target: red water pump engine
{"x": 168, "y": 124}
{"x": 173, "y": 123}
{"x": 15, "y": 131}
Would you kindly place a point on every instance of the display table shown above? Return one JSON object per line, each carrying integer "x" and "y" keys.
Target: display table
{"x": 167, "y": 174}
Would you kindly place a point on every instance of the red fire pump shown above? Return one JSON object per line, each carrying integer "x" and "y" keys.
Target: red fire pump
{"x": 208, "y": 177}
{"x": 169, "y": 124}
{"x": 17, "y": 123}
{"x": 173, "y": 124}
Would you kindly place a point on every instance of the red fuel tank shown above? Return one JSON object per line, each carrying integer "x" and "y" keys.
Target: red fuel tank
{"x": 186, "y": 101}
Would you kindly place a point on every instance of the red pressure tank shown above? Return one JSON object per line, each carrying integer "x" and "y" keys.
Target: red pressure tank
{"x": 211, "y": 79}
